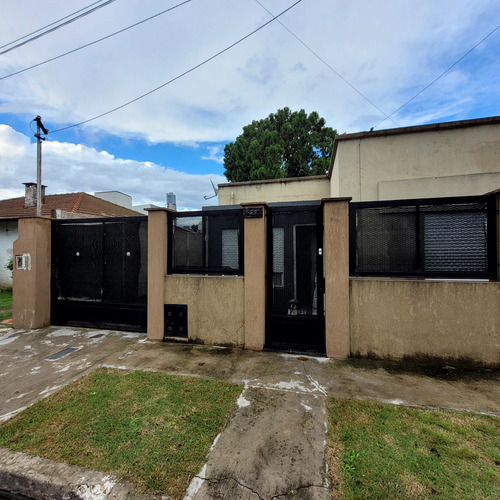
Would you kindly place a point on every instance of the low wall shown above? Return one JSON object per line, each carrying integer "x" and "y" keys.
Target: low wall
{"x": 215, "y": 306}
{"x": 449, "y": 320}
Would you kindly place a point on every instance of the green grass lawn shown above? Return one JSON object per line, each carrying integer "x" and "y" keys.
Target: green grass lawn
{"x": 392, "y": 452}
{"x": 5, "y": 305}
{"x": 5, "y": 300}
{"x": 151, "y": 429}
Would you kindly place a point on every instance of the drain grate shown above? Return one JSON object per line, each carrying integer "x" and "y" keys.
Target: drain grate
{"x": 60, "y": 354}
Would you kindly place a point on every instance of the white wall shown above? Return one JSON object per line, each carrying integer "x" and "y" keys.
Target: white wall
{"x": 8, "y": 234}
{"x": 124, "y": 200}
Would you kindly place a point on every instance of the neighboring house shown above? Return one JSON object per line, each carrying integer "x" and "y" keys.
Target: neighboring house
{"x": 275, "y": 190}
{"x": 56, "y": 206}
{"x": 442, "y": 159}
{"x": 125, "y": 200}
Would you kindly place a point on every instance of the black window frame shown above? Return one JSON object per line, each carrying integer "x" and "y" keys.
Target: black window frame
{"x": 490, "y": 273}
{"x": 172, "y": 268}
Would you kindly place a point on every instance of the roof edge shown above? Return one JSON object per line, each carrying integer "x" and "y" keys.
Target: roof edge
{"x": 431, "y": 127}
{"x": 78, "y": 202}
{"x": 281, "y": 180}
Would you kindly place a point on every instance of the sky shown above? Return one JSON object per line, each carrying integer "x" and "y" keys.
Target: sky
{"x": 355, "y": 62}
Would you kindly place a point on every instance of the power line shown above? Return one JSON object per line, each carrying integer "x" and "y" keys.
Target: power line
{"x": 182, "y": 74}
{"x": 69, "y": 21}
{"x": 330, "y": 67}
{"x": 94, "y": 42}
{"x": 49, "y": 25}
{"x": 440, "y": 76}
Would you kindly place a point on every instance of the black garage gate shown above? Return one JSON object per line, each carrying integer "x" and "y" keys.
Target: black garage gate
{"x": 99, "y": 273}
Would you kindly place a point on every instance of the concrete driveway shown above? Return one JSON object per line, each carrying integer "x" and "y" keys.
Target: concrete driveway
{"x": 273, "y": 444}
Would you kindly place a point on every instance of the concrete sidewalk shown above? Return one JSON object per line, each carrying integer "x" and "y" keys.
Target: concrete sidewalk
{"x": 273, "y": 444}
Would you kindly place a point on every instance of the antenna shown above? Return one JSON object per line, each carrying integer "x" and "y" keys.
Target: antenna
{"x": 216, "y": 191}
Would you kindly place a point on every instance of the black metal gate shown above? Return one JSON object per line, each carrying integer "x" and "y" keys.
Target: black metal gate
{"x": 99, "y": 273}
{"x": 295, "y": 305}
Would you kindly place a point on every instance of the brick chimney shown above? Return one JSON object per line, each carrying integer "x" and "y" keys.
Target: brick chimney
{"x": 30, "y": 194}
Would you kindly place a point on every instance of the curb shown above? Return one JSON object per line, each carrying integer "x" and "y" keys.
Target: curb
{"x": 42, "y": 479}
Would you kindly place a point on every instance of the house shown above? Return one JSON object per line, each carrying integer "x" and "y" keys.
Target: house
{"x": 460, "y": 158}
{"x": 296, "y": 265}
{"x": 455, "y": 317}
{"x": 56, "y": 206}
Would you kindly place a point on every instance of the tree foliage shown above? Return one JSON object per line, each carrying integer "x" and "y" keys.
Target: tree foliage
{"x": 285, "y": 144}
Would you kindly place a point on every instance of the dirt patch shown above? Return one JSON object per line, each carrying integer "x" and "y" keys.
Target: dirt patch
{"x": 335, "y": 477}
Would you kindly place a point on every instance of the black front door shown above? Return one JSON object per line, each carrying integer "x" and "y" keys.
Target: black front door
{"x": 295, "y": 305}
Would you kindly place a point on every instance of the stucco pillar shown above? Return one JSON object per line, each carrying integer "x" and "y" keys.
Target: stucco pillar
{"x": 255, "y": 275}
{"x": 31, "y": 274}
{"x": 336, "y": 258}
{"x": 157, "y": 269}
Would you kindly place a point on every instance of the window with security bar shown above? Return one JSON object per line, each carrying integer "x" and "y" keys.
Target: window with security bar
{"x": 206, "y": 242}
{"x": 440, "y": 238}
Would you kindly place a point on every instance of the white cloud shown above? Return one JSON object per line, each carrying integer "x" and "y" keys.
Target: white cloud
{"x": 216, "y": 153}
{"x": 75, "y": 167}
{"x": 387, "y": 50}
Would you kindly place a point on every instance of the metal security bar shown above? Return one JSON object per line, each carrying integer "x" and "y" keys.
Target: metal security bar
{"x": 433, "y": 238}
{"x": 206, "y": 242}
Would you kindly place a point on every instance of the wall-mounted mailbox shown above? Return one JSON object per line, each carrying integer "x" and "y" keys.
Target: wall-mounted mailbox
{"x": 23, "y": 262}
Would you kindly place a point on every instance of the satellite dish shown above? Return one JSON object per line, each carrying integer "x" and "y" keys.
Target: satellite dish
{"x": 216, "y": 191}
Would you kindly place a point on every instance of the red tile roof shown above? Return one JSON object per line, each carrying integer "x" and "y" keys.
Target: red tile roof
{"x": 77, "y": 203}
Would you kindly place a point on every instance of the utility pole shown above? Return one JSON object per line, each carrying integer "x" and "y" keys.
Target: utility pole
{"x": 39, "y": 139}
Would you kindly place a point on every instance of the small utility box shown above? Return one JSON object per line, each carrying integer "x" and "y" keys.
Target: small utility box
{"x": 23, "y": 262}
{"x": 175, "y": 321}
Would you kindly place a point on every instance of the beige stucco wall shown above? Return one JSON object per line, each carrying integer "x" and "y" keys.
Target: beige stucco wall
{"x": 395, "y": 319}
{"x": 215, "y": 306}
{"x": 498, "y": 237}
{"x": 275, "y": 190}
{"x": 418, "y": 164}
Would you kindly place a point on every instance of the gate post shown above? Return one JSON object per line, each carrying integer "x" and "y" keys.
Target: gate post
{"x": 157, "y": 270}
{"x": 31, "y": 274}
{"x": 255, "y": 275}
{"x": 336, "y": 258}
